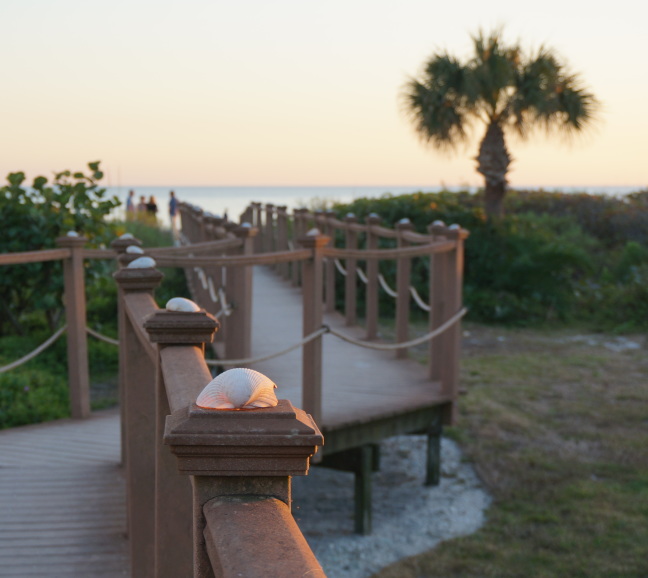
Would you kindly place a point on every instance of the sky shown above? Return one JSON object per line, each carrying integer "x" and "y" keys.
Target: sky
{"x": 295, "y": 92}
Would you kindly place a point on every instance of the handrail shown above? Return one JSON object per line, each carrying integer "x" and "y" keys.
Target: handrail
{"x": 415, "y": 251}
{"x": 206, "y": 246}
{"x": 238, "y": 526}
{"x": 236, "y": 260}
{"x": 34, "y": 256}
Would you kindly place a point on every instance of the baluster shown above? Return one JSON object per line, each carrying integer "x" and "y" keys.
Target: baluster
{"x": 75, "y": 316}
{"x": 174, "y": 544}
{"x": 330, "y": 263}
{"x": 371, "y": 299}
{"x": 312, "y": 352}
{"x": 350, "y": 282}
{"x": 139, "y": 371}
{"x": 403, "y": 274}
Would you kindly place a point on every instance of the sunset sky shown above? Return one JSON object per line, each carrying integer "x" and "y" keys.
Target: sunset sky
{"x": 294, "y": 92}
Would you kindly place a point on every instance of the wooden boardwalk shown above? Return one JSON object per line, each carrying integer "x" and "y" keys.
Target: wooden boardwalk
{"x": 358, "y": 384}
{"x": 62, "y": 500}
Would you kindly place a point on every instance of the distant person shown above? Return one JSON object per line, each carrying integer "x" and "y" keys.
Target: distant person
{"x": 173, "y": 214}
{"x": 130, "y": 205}
{"x": 151, "y": 210}
{"x": 141, "y": 209}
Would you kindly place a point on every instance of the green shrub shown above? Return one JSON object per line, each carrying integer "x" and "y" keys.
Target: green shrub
{"x": 32, "y": 396}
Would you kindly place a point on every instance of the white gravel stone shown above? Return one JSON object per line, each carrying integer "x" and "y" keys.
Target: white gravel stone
{"x": 408, "y": 517}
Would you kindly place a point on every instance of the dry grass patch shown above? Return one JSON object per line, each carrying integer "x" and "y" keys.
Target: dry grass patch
{"x": 556, "y": 425}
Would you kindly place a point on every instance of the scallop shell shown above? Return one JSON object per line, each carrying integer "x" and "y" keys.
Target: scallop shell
{"x": 126, "y": 236}
{"x": 238, "y": 388}
{"x": 142, "y": 263}
{"x": 181, "y": 304}
{"x": 72, "y": 234}
{"x": 134, "y": 249}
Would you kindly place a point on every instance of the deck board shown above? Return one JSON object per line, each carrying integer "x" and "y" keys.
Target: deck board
{"x": 62, "y": 500}
{"x": 358, "y": 384}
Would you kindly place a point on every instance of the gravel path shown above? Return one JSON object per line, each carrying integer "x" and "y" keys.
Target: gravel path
{"x": 408, "y": 518}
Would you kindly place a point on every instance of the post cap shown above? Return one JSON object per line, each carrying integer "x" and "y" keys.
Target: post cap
{"x": 138, "y": 279}
{"x": 272, "y": 441}
{"x": 177, "y": 325}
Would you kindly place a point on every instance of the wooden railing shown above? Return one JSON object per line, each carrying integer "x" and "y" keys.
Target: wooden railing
{"x": 309, "y": 248}
{"x": 224, "y": 521}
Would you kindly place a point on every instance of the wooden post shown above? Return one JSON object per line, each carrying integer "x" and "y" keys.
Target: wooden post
{"x": 268, "y": 229}
{"x": 453, "y": 334}
{"x": 139, "y": 371}
{"x": 330, "y": 264}
{"x": 403, "y": 271}
{"x": 371, "y": 299}
{"x": 438, "y": 304}
{"x": 120, "y": 245}
{"x": 282, "y": 238}
{"x": 257, "y": 222}
{"x": 173, "y": 491}
{"x": 298, "y": 232}
{"x": 75, "y": 315}
{"x": 312, "y": 352}
{"x": 238, "y": 339}
{"x": 350, "y": 282}
{"x": 245, "y": 455}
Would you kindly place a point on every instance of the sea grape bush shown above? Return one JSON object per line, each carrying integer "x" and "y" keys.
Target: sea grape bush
{"x": 555, "y": 258}
{"x": 31, "y": 218}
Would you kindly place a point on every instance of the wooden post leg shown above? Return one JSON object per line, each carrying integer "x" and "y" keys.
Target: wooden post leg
{"x": 365, "y": 464}
{"x": 433, "y": 464}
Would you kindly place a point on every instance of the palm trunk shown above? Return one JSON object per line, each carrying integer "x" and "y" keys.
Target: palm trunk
{"x": 493, "y": 162}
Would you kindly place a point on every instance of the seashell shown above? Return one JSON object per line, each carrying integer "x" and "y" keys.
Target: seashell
{"x": 439, "y": 223}
{"x": 134, "y": 249}
{"x": 313, "y": 232}
{"x": 350, "y": 215}
{"x": 246, "y": 225}
{"x": 142, "y": 263}
{"x": 181, "y": 304}
{"x": 72, "y": 234}
{"x": 454, "y": 227}
{"x": 126, "y": 236}
{"x": 374, "y": 215}
{"x": 404, "y": 221}
{"x": 238, "y": 388}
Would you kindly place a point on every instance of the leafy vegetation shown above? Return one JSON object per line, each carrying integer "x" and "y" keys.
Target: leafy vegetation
{"x": 31, "y": 220}
{"x": 556, "y": 258}
{"x": 503, "y": 87}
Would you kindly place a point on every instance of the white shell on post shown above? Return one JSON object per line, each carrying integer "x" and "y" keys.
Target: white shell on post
{"x": 72, "y": 234}
{"x": 238, "y": 388}
{"x": 313, "y": 232}
{"x": 134, "y": 250}
{"x": 181, "y": 304}
{"x": 142, "y": 263}
{"x": 126, "y": 236}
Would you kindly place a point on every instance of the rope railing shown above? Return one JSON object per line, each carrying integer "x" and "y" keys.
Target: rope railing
{"x": 251, "y": 360}
{"x": 403, "y": 344}
{"x": 386, "y": 288}
{"x": 42, "y": 347}
{"x": 326, "y": 329}
{"x": 101, "y": 337}
{"x": 419, "y": 301}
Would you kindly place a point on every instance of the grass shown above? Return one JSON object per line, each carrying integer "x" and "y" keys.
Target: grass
{"x": 555, "y": 425}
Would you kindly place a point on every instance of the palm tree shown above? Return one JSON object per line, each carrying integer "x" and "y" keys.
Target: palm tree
{"x": 505, "y": 89}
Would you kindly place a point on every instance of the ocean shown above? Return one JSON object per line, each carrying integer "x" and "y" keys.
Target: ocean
{"x": 234, "y": 200}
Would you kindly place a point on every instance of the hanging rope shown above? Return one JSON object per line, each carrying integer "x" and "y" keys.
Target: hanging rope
{"x": 422, "y": 304}
{"x": 392, "y": 346}
{"x": 101, "y": 337}
{"x": 212, "y": 291}
{"x": 386, "y": 287}
{"x": 362, "y": 275}
{"x": 339, "y": 266}
{"x": 42, "y": 347}
{"x": 251, "y": 360}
